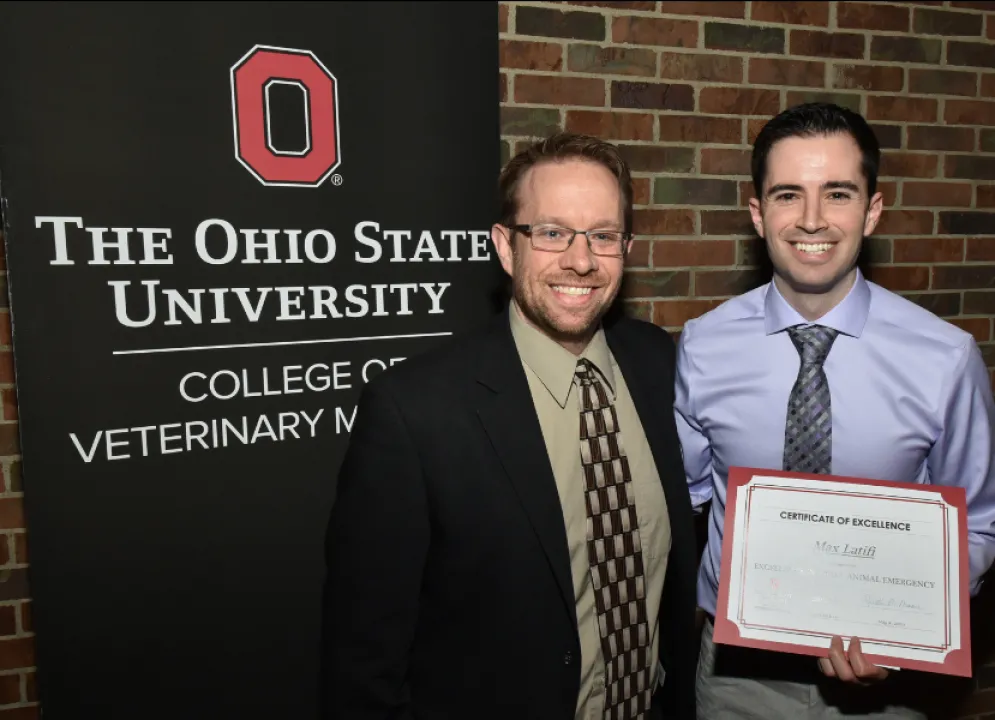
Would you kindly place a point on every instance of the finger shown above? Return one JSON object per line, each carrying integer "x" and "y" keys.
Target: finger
{"x": 841, "y": 665}
{"x": 826, "y": 667}
{"x": 862, "y": 667}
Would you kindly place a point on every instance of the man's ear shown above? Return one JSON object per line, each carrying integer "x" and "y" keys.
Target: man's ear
{"x": 873, "y": 213}
{"x": 502, "y": 239}
{"x": 757, "y": 215}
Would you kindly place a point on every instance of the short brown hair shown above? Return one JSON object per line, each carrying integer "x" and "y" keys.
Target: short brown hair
{"x": 563, "y": 146}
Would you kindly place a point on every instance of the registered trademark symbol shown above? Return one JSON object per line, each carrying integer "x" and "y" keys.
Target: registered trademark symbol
{"x": 336, "y": 179}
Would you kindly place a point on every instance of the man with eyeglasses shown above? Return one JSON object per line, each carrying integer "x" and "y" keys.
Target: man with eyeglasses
{"x": 513, "y": 534}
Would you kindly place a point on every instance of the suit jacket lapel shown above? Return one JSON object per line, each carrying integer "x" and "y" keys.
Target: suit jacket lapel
{"x": 509, "y": 418}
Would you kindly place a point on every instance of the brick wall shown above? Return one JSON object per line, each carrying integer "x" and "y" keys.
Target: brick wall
{"x": 18, "y": 699}
{"x": 683, "y": 88}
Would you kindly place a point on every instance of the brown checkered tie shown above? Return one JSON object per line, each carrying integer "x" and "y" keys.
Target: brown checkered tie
{"x": 615, "y": 552}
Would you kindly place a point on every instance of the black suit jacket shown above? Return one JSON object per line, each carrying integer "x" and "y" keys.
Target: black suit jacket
{"x": 448, "y": 591}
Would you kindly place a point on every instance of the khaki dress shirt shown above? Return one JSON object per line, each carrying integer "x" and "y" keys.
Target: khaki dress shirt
{"x": 549, "y": 368}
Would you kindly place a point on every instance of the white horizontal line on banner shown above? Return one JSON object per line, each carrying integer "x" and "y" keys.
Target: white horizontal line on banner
{"x": 152, "y": 351}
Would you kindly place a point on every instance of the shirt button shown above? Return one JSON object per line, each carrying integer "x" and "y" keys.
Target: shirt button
{"x": 568, "y": 658}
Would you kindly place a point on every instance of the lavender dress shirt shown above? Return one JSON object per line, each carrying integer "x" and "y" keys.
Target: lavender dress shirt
{"x": 911, "y": 402}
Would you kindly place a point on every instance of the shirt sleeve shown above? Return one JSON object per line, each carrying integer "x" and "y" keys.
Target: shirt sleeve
{"x": 695, "y": 447}
{"x": 962, "y": 455}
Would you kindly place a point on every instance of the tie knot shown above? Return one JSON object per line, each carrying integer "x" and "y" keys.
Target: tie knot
{"x": 813, "y": 342}
{"x": 584, "y": 372}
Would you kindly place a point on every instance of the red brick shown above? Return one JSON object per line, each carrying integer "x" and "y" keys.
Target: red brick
{"x": 21, "y": 548}
{"x": 753, "y": 128}
{"x": 16, "y": 653}
{"x": 6, "y": 366}
{"x": 971, "y": 54}
{"x": 708, "y": 9}
{"x": 826, "y": 44}
{"x": 557, "y": 90}
{"x": 902, "y": 164}
{"x": 939, "y": 137}
{"x": 523, "y": 55}
{"x": 8, "y": 620}
{"x": 980, "y": 249}
{"x": 31, "y": 712}
{"x": 980, "y": 328}
{"x": 693, "y": 253}
{"x": 647, "y": 6}
{"x": 10, "y": 689}
{"x": 982, "y": 5}
{"x": 641, "y": 188}
{"x": 662, "y": 283}
{"x": 745, "y": 193}
{"x": 988, "y": 79}
{"x": 655, "y": 31}
{"x": 970, "y": 112}
{"x": 773, "y": 71}
{"x": 863, "y": 16}
{"x": 898, "y": 278}
{"x": 905, "y": 222}
{"x": 675, "y": 313}
{"x": 990, "y": 29}
{"x": 739, "y": 101}
{"x": 701, "y": 67}
{"x": 611, "y": 60}
{"x": 9, "y": 396}
{"x": 6, "y": 558}
{"x": 722, "y": 161}
{"x": 635, "y": 309}
{"x": 877, "y": 78}
{"x": 11, "y": 513}
{"x": 503, "y": 88}
{"x": 901, "y": 109}
{"x": 963, "y": 277}
{"x": 663, "y": 222}
{"x": 694, "y": 128}
{"x": 639, "y": 254}
{"x": 611, "y": 125}
{"x": 889, "y": 192}
{"x": 726, "y": 222}
{"x": 986, "y": 196}
{"x": 970, "y": 167}
{"x": 928, "y": 250}
{"x": 791, "y": 13}
{"x": 5, "y": 338}
{"x": 31, "y": 692}
{"x": 936, "y": 194}
{"x": 502, "y": 17}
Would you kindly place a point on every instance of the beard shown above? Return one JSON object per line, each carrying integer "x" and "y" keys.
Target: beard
{"x": 564, "y": 327}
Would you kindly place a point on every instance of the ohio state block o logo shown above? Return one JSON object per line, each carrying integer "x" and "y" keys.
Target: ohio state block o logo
{"x": 251, "y": 80}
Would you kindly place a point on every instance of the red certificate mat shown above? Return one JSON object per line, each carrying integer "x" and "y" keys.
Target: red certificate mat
{"x": 787, "y": 632}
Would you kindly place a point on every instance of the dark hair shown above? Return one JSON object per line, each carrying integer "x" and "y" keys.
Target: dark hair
{"x": 809, "y": 120}
{"x": 563, "y": 146}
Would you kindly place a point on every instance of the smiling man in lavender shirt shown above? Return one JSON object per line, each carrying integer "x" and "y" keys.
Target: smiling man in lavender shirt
{"x": 906, "y": 398}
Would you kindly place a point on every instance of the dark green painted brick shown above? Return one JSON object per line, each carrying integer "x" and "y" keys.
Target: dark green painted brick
{"x": 726, "y": 36}
{"x": 979, "y": 303}
{"x": 556, "y": 23}
{"x": 889, "y": 136}
{"x": 658, "y": 158}
{"x": 876, "y": 250}
{"x": 927, "y": 21}
{"x": 970, "y": 167}
{"x": 531, "y": 122}
{"x": 971, "y": 54}
{"x": 906, "y": 49}
{"x": 942, "y": 304}
{"x": 694, "y": 191}
{"x": 988, "y": 141}
{"x": 967, "y": 223}
{"x": 505, "y": 152}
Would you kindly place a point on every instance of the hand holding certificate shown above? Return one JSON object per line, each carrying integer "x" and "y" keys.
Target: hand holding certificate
{"x": 809, "y": 557}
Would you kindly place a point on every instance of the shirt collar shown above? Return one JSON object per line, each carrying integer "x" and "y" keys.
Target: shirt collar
{"x": 553, "y": 364}
{"x": 848, "y": 317}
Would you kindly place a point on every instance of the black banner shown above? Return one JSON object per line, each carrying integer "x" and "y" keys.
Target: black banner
{"x": 221, "y": 221}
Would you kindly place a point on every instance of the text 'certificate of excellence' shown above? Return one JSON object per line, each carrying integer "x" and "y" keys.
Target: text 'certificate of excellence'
{"x": 807, "y": 557}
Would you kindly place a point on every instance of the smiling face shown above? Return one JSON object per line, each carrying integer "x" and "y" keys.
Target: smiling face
{"x": 814, "y": 214}
{"x": 566, "y": 294}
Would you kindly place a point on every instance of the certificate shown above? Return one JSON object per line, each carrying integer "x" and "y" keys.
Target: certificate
{"x": 807, "y": 557}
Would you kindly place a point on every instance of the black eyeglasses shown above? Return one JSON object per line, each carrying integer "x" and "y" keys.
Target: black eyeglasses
{"x": 554, "y": 238}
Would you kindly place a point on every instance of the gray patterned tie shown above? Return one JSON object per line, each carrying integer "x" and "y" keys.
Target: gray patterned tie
{"x": 615, "y": 552}
{"x": 808, "y": 433}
